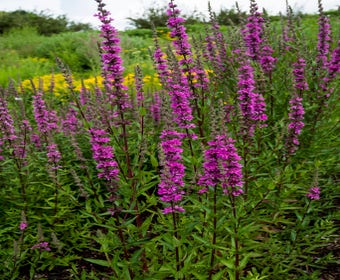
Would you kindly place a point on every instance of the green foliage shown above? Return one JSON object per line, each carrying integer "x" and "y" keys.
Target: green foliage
{"x": 97, "y": 229}
{"x": 157, "y": 17}
{"x": 45, "y": 24}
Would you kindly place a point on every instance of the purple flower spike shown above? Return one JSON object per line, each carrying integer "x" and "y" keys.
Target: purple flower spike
{"x": 314, "y": 193}
{"x": 324, "y": 41}
{"x": 103, "y": 155}
{"x": 221, "y": 166}
{"x": 7, "y": 131}
{"x": 296, "y": 114}
{"x": 252, "y": 104}
{"x": 334, "y": 65}
{"x": 172, "y": 176}
{"x": 299, "y": 74}
{"x": 112, "y": 65}
{"x": 253, "y": 32}
{"x": 46, "y": 120}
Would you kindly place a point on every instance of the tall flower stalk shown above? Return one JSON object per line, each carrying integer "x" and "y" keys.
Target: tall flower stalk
{"x": 170, "y": 188}
{"x": 252, "y": 104}
{"x": 296, "y": 109}
{"x": 222, "y": 168}
{"x": 253, "y": 32}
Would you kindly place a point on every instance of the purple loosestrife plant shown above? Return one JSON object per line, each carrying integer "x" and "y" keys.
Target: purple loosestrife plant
{"x": 222, "y": 167}
{"x": 183, "y": 50}
{"x": 103, "y": 154}
{"x": 170, "y": 188}
{"x": 46, "y": 120}
{"x": 267, "y": 60}
{"x": 178, "y": 33}
{"x": 253, "y": 32}
{"x": 300, "y": 82}
{"x": 296, "y": 115}
{"x": 334, "y": 64}
{"x": 70, "y": 124}
{"x": 7, "y": 125}
{"x": 252, "y": 104}
{"x": 161, "y": 64}
{"x": 180, "y": 104}
{"x": 42, "y": 246}
{"x": 296, "y": 110}
{"x": 155, "y": 108}
{"x": 324, "y": 38}
{"x": 112, "y": 68}
{"x": 53, "y": 156}
{"x": 314, "y": 193}
{"x": 177, "y": 87}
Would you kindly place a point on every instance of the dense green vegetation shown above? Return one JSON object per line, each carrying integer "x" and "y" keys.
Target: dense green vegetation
{"x": 162, "y": 170}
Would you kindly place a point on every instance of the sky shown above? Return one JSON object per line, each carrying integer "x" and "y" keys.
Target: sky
{"x": 83, "y": 10}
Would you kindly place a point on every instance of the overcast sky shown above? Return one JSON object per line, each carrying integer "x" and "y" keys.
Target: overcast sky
{"x": 83, "y": 10}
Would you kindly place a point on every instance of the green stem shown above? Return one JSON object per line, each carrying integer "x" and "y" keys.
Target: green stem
{"x": 174, "y": 222}
{"x": 213, "y": 252}
{"x": 236, "y": 240}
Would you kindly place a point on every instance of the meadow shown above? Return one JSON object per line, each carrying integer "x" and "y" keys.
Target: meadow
{"x": 183, "y": 152}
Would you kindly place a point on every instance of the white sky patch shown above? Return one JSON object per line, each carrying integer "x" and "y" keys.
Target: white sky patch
{"x": 83, "y": 10}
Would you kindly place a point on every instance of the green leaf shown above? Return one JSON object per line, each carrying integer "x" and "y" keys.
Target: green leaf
{"x": 98, "y": 262}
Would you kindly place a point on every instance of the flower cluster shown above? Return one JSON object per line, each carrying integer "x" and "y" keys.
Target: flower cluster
{"x": 161, "y": 64}
{"x": 46, "y": 120}
{"x": 6, "y": 128}
{"x": 172, "y": 176}
{"x": 155, "y": 108}
{"x": 252, "y": 104}
{"x": 299, "y": 75}
{"x": 70, "y": 124}
{"x": 179, "y": 34}
{"x": 296, "y": 114}
{"x": 253, "y": 32}
{"x": 23, "y": 226}
{"x": 112, "y": 65}
{"x": 103, "y": 155}
{"x": 42, "y": 246}
{"x": 334, "y": 64}
{"x": 324, "y": 40}
{"x": 267, "y": 60}
{"x": 180, "y": 104}
{"x": 314, "y": 193}
{"x": 221, "y": 166}
{"x": 53, "y": 155}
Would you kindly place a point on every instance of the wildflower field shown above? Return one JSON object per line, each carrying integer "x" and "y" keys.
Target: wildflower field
{"x": 217, "y": 159}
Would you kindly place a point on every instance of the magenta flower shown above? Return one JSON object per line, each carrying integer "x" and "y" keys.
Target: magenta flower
{"x": 253, "y": 32}
{"x": 334, "y": 64}
{"x": 70, "y": 124}
{"x": 314, "y": 193}
{"x": 252, "y": 104}
{"x": 296, "y": 115}
{"x": 221, "y": 167}
{"x": 161, "y": 64}
{"x": 299, "y": 75}
{"x": 112, "y": 65}
{"x": 103, "y": 155}
{"x": 182, "y": 46}
{"x": 155, "y": 108}
{"x": 53, "y": 155}
{"x": 179, "y": 91}
{"x": 180, "y": 104}
{"x": 23, "y": 226}
{"x": 7, "y": 131}
{"x": 46, "y": 120}
{"x": 267, "y": 60}
{"x": 324, "y": 40}
{"x": 42, "y": 246}
{"x": 170, "y": 188}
